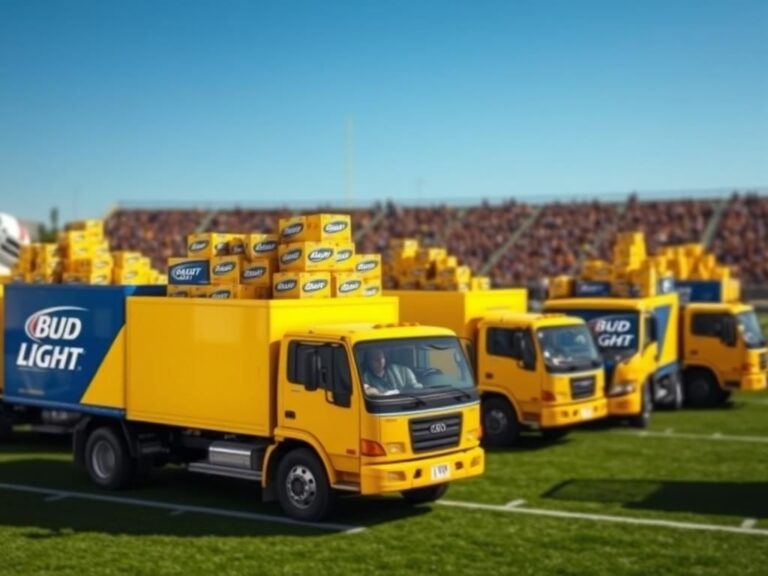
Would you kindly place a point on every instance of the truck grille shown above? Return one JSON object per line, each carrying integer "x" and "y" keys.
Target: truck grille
{"x": 764, "y": 361}
{"x": 582, "y": 387}
{"x": 435, "y": 433}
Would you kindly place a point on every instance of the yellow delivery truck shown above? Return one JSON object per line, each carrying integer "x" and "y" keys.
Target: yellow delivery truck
{"x": 534, "y": 371}
{"x": 292, "y": 394}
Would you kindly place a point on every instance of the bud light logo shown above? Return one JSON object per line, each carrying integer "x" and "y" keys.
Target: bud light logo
{"x": 221, "y": 294}
{"x": 343, "y": 255}
{"x": 314, "y": 285}
{"x": 616, "y": 331}
{"x": 335, "y": 227}
{"x": 265, "y": 246}
{"x": 293, "y": 229}
{"x": 291, "y": 256}
{"x": 320, "y": 254}
{"x": 52, "y": 333}
{"x": 189, "y": 273}
{"x": 253, "y": 273}
{"x": 366, "y": 266}
{"x": 223, "y": 268}
{"x": 198, "y": 246}
{"x": 285, "y": 286}
{"x": 349, "y": 286}
{"x": 370, "y": 291}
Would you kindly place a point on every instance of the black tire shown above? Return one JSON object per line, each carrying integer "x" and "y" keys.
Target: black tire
{"x": 107, "y": 460}
{"x": 643, "y": 419}
{"x": 554, "y": 434}
{"x": 500, "y": 425}
{"x": 701, "y": 389}
{"x": 426, "y": 494}
{"x": 674, "y": 397}
{"x": 303, "y": 489}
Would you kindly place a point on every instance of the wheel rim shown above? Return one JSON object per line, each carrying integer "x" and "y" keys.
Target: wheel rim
{"x": 103, "y": 459}
{"x": 301, "y": 487}
{"x": 496, "y": 422}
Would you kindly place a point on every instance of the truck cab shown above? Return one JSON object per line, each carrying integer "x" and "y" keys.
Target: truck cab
{"x": 724, "y": 350}
{"x": 637, "y": 338}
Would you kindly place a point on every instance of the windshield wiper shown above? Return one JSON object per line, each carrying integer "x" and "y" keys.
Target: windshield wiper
{"x": 416, "y": 399}
{"x": 462, "y": 394}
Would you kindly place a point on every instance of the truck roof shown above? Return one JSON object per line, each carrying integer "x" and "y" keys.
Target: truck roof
{"x": 539, "y": 319}
{"x": 370, "y": 331}
{"x": 730, "y": 307}
{"x": 610, "y": 303}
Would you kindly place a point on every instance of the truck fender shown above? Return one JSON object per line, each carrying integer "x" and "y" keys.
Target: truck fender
{"x": 287, "y": 440}
{"x": 489, "y": 392}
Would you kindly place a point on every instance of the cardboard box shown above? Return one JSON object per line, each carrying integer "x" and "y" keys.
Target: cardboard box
{"x": 257, "y": 272}
{"x": 369, "y": 265}
{"x": 292, "y": 229}
{"x": 40, "y": 277}
{"x": 93, "y": 264}
{"x": 126, "y": 260}
{"x": 346, "y": 284}
{"x": 301, "y": 285}
{"x": 262, "y": 246}
{"x": 480, "y": 283}
{"x": 238, "y": 244}
{"x": 225, "y": 269}
{"x": 329, "y": 228}
{"x": 371, "y": 287}
{"x": 207, "y": 245}
{"x": 306, "y": 256}
{"x": 131, "y": 276}
{"x": 429, "y": 255}
{"x": 188, "y": 271}
{"x": 179, "y": 291}
{"x": 94, "y": 278}
{"x": 345, "y": 257}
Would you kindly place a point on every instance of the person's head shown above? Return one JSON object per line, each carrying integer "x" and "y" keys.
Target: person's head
{"x": 376, "y": 360}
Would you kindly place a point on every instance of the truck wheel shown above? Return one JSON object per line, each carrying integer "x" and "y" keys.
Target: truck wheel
{"x": 644, "y": 418}
{"x": 701, "y": 389}
{"x": 500, "y": 426}
{"x": 302, "y": 486}
{"x": 426, "y": 494}
{"x": 554, "y": 434}
{"x": 107, "y": 459}
{"x": 673, "y": 399}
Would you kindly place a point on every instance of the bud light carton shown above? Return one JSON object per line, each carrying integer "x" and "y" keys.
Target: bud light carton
{"x": 262, "y": 246}
{"x": 368, "y": 265}
{"x": 179, "y": 291}
{"x": 301, "y": 285}
{"x": 207, "y": 245}
{"x": 371, "y": 287}
{"x": 329, "y": 227}
{"x": 225, "y": 269}
{"x": 238, "y": 244}
{"x": 257, "y": 272}
{"x": 127, "y": 260}
{"x": 346, "y": 284}
{"x": 345, "y": 256}
{"x": 292, "y": 229}
{"x": 306, "y": 256}
{"x": 188, "y": 271}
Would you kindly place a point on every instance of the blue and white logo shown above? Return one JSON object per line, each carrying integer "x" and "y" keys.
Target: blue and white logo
{"x": 335, "y": 227}
{"x": 344, "y": 255}
{"x": 349, "y": 286}
{"x": 198, "y": 246}
{"x": 291, "y": 256}
{"x": 314, "y": 285}
{"x": 223, "y": 268}
{"x": 52, "y": 333}
{"x": 366, "y": 266}
{"x": 255, "y": 272}
{"x": 265, "y": 246}
{"x": 614, "y": 331}
{"x": 194, "y": 272}
{"x": 320, "y": 254}
{"x": 293, "y": 229}
{"x": 285, "y": 285}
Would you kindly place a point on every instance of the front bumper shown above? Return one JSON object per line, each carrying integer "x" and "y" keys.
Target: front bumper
{"x": 398, "y": 476}
{"x": 629, "y": 405}
{"x": 572, "y": 414}
{"x": 754, "y": 382}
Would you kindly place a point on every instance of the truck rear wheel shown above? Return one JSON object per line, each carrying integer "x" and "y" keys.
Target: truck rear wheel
{"x": 107, "y": 459}
{"x": 426, "y": 494}
{"x": 500, "y": 425}
{"x": 643, "y": 419}
{"x": 701, "y": 389}
{"x": 302, "y": 486}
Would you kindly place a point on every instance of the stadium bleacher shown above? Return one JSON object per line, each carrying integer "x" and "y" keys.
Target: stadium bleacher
{"x": 515, "y": 243}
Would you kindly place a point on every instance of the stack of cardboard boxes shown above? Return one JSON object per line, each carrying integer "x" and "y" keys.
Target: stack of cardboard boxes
{"x": 82, "y": 256}
{"x": 311, "y": 256}
{"x": 410, "y": 267}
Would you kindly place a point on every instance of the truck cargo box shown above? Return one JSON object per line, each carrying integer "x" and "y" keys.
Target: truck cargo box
{"x": 64, "y": 345}
{"x": 212, "y": 364}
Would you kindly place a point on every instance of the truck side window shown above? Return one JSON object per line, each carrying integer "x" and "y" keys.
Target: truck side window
{"x": 341, "y": 376}
{"x": 709, "y": 325}
{"x": 508, "y": 342}
{"x": 310, "y": 364}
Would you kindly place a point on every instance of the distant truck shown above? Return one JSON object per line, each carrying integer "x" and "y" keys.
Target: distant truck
{"x": 534, "y": 371}
{"x": 264, "y": 390}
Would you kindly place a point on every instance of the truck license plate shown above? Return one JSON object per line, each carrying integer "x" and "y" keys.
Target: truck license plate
{"x": 586, "y": 412}
{"x": 440, "y": 471}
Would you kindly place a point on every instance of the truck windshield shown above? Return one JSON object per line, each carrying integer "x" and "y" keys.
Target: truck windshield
{"x": 415, "y": 372}
{"x": 567, "y": 348}
{"x": 750, "y": 330}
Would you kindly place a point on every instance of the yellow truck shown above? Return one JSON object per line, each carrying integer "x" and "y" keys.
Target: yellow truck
{"x": 281, "y": 392}
{"x": 534, "y": 371}
{"x": 638, "y": 340}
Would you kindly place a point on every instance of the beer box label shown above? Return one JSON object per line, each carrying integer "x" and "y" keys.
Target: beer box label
{"x": 188, "y": 271}
{"x": 371, "y": 287}
{"x": 257, "y": 272}
{"x": 262, "y": 246}
{"x": 346, "y": 284}
{"x": 238, "y": 244}
{"x": 178, "y": 291}
{"x": 225, "y": 269}
{"x": 301, "y": 285}
{"x": 306, "y": 256}
{"x": 207, "y": 245}
{"x": 293, "y": 229}
{"x": 369, "y": 265}
{"x": 328, "y": 227}
{"x": 345, "y": 256}
{"x": 221, "y": 292}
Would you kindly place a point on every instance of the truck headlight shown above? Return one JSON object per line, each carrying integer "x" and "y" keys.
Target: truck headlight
{"x": 622, "y": 388}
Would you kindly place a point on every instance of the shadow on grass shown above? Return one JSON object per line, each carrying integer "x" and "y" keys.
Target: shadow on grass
{"x": 743, "y": 499}
{"x": 529, "y": 442}
{"x": 35, "y": 443}
{"x": 50, "y": 517}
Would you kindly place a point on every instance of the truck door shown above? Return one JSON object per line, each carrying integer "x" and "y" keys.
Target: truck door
{"x": 319, "y": 399}
{"x": 712, "y": 342}
{"x": 508, "y": 364}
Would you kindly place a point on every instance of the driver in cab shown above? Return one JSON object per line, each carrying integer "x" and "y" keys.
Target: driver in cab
{"x": 382, "y": 379}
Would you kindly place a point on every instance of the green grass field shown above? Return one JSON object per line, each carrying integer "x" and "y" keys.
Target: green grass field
{"x": 705, "y": 467}
{"x": 606, "y": 470}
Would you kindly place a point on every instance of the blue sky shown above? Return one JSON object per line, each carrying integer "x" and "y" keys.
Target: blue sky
{"x": 249, "y": 102}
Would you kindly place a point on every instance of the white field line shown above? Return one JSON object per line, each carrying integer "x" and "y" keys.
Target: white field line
{"x": 749, "y": 523}
{"x": 607, "y": 518}
{"x": 515, "y": 503}
{"x": 55, "y": 498}
{"x": 173, "y": 507}
{"x": 716, "y": 436}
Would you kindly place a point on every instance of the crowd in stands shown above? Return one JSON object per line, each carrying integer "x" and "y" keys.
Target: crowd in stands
{"x": 522, "y": 242}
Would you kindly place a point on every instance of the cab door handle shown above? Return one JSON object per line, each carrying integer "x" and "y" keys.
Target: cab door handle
{"x": 489, "y": 375}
